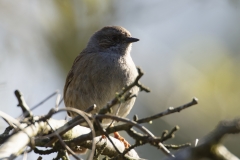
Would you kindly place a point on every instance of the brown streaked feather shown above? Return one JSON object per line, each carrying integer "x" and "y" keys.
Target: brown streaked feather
{"x": 70, "y": 77}
{"x": 68, "y": 81}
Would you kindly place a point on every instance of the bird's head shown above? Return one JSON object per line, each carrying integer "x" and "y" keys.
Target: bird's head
{"x": 113, "y": 39}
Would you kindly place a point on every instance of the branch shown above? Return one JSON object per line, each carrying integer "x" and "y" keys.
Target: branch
{"x": 17, "y": 142}
{"x": 115, "y": 100}
{"x": 170, "y": 110}
{"x": 21, "y": 103}
{"x": 83, "y": 139}
{"x": 210, "y": 146}
{"x": 146, "y": 137}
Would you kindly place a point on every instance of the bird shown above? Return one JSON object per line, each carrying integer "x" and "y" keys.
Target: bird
{"x": 101, "y": 70}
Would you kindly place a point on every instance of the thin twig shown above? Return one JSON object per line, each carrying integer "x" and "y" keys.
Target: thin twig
{"x": 176, "y": 147}
{"x": 128, "y": 121}
{"x": 44, "y": 100}
{"x": 138, "y": 143}
{"x": 7, "y": 130}
{"x": 10, "y": 119}
{"x": 170, "y": 110}
{"x": 79, "y": 112}
{"x": 91, "y": 108}
{"x": 115, "y": 100}
{"x": 63, "y": 144}
{"x": 169, "y": 135}
{"x": 25, "y": 155}
{"x": 44, "y": 152}
{"x": 21, "y": 103}
{"x": 148, "y": 136}
{"x": 106, "y": 134}
{"x": 57, "y": 102}
{"x": 100, "y": 150}
{"x": 70, "y": 124}
{"x": 10, "y": 123}
{"x": 39, "y": 158}
{"x": 132, "y": 123}
{"x": 18, "y": 126}
{"x": 210, "y": 146}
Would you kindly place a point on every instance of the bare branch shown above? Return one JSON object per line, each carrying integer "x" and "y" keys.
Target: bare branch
{"x": 170, "y": 110}
{"x": 63, "y": 144}
{"x": 169, "y": 135}
{"x": 210, "y": 146}
{"x": 115, "y": 100}
{"x": 106, "y": 134}
{"x": 47, "y": 98}
{"x": 21, "y": 103}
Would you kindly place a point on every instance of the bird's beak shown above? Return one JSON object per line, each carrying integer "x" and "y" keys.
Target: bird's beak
{"x": 131, "y": 39}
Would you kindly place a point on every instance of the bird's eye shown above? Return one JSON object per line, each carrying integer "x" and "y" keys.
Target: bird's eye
{"x": 115, "y": 38}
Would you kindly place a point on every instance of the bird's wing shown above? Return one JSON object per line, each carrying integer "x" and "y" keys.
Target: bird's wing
{"x": 70, "y": 75}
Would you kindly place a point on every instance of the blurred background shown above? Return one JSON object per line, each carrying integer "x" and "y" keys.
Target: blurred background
{"x": 187, "y": 48}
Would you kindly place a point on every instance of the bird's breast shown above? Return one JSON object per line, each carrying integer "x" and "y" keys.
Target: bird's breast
{"x": 98, "y": 80}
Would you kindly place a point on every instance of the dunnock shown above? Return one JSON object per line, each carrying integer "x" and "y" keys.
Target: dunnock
{"x": 101, "y": 70}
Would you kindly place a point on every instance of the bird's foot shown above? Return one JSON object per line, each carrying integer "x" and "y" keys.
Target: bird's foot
{"x": 117, "y": 136}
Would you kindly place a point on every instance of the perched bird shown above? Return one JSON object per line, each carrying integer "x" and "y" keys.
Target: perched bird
{"x": 101, "y": 70}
